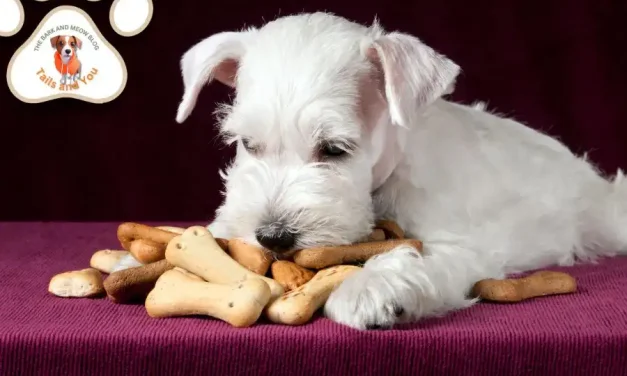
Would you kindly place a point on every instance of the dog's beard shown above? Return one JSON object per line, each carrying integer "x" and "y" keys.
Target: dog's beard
{"x": 322, "y": 204}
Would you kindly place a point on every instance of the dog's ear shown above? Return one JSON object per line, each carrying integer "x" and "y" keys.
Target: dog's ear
{"x": 412, "y": 74}
{"x": 216, "y": 57}
{"x": 54, "y": 40}
{"x": 79, "y": 43}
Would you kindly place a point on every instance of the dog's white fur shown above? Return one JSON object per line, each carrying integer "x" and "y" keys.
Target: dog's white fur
{"x": 488, "y": 195}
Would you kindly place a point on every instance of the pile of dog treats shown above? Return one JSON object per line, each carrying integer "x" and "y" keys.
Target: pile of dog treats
{"x": 186, "y": 271}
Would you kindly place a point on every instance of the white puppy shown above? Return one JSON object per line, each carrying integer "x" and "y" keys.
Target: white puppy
{"x": 338, "y": 124}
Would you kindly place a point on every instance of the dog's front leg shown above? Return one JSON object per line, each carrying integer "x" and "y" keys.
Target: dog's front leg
{"x": 404, "y": 285}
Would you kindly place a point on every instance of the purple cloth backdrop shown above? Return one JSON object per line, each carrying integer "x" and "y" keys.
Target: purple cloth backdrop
{"x": 40, "y": 334}
{"x": 558, "y": 65}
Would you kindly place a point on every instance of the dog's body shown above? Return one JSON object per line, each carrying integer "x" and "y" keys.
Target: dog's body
{"x": 337, "y": 124}
{"x": 66, "y": 57}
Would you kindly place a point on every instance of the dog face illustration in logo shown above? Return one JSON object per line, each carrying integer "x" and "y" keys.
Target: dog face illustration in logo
{"x": 66, "y": 57}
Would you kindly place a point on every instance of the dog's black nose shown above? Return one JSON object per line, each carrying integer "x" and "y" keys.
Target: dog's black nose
{"x": 68, "y": 51}
{"x": 276, "y": 241}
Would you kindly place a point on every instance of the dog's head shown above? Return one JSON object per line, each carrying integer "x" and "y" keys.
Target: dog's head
{"x": 66, "y": 45}
{"x": 319, "y": 117}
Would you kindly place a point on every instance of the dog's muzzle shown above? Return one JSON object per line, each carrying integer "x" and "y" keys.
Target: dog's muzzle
{"x": 276, "y": 238}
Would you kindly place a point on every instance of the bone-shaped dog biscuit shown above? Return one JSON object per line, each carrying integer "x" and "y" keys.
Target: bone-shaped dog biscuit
{"x": 146, "y": 251}
{"x": 173, "y": 229}
{"x": 513, "y": 290}
{"x": 82, "y": 283}
{"x": 106, "y": 259}
{"x": 290, "y": 275}
{"x": 391, "y": 229}
{"x": 377, "y": 235}
{"x": 177, "y": 294}
{"x": 298, "y": 306}
{"x": 252, "y": 258}
{"x": 146, "y": 243}
{"x": 129, "y": 231}
{"x": 322, "y": 257}
{"x": 197, "y": 251}
{"x": 134, "y": 284}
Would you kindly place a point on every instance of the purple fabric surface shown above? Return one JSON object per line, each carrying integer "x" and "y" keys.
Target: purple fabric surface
{"x": 580, "y": 334}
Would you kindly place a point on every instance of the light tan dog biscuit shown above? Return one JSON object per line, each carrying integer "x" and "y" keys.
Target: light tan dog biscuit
{"x": 83, "y": 283}
{"x": 298, "y": 306}
{"x": 106, "y": 259}
{"x": 177, "y": 294}
{"x": 197, "y": 251}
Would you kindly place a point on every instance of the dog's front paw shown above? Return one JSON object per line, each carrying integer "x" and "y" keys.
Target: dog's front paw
{"x": 365, "y": 300}
{"x": 378, "y": 296}
{"x": 390, "y": 289}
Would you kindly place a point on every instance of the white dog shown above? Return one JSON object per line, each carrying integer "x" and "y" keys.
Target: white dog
{"x": 338, "y": 124}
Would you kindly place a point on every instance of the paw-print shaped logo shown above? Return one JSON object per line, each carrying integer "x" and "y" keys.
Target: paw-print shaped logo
{"x": 130, "y": 17}
{"x": 67, "y": 56}
{"x": 11, "y": 17}
{"x": 127, "y": 17}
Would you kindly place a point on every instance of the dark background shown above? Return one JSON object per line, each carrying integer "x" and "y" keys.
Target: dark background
{"x": 558, "y": 65}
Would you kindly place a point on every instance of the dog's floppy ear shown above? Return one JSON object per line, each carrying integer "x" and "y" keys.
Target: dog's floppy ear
{"x": 216, "y": 57}
{"x": 79, "y": 43}
{"x": 412, "y": 73}
{"x": 54, "y": 40}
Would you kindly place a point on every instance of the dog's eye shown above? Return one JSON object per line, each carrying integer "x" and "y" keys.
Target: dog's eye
{"x": 248, "y": 146}
{"x": 73, "y": 44}
{"x": 331, "y": 150}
